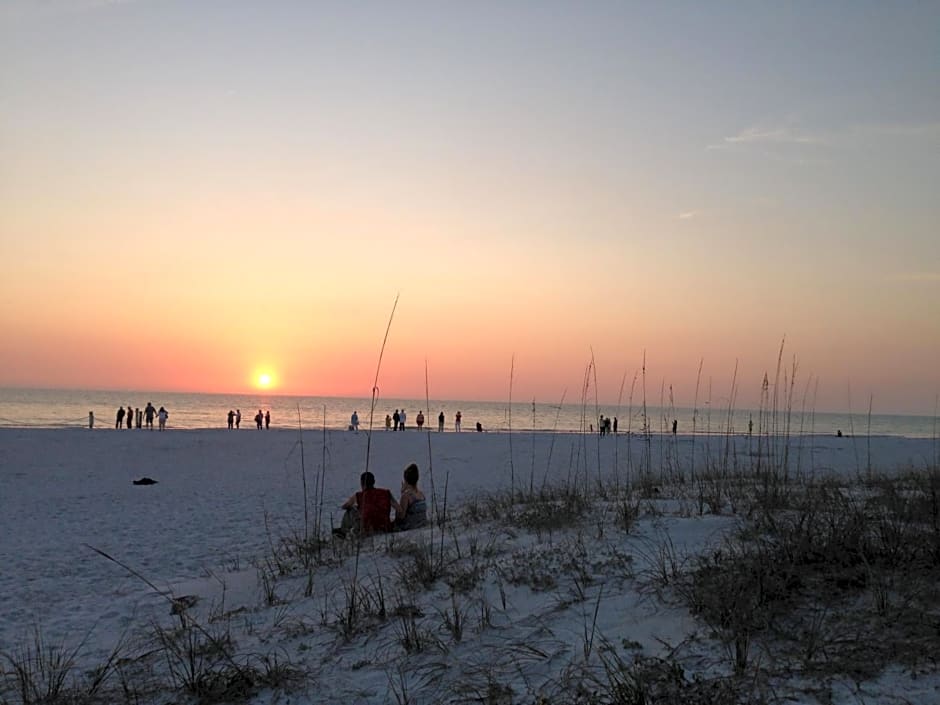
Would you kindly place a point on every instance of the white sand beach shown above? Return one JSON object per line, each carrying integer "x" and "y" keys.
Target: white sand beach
{"x": 527, "y": 602}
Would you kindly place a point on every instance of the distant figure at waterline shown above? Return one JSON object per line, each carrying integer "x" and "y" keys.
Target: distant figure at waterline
{"x": 149, "y": 413}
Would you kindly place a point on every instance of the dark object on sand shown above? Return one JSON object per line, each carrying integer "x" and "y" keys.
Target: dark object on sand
{"x": 145, "y": 481}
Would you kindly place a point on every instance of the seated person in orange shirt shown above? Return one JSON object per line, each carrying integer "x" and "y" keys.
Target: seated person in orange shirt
{"x": 368, "y": 510}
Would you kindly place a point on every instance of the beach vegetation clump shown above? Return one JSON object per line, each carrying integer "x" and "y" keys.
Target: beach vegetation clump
{"x": 828, "y": 578}
{"x": 40, "y": 672}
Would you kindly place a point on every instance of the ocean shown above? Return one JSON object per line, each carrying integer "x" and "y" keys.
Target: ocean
{"x": 60, "y": 408}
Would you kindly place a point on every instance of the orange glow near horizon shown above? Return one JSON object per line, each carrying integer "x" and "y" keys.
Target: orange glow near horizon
{"x": 228, "y": 217}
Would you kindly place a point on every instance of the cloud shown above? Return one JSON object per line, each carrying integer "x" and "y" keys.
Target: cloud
{"x": 916, "y": 277}
{"x": 777, "y": 135}
{"x": 784, "y": 136}
{"x": 687, "y": 215}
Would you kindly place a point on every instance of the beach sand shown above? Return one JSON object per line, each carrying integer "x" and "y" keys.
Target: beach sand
{"x": 491, "y": 611}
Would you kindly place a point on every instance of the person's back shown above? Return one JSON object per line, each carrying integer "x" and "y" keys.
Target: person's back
{"x": 375, "y": 505}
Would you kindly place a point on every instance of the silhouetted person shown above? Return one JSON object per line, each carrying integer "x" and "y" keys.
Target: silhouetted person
{"x": 388, "y": 422}
{"x": 750, "y": 426}
{"x": 162, "y": 416}
{"x": 119, "y": 422}
{"x": 440, "y": 422}
{"x": 457, "y": 421}
{"x": 149, "y": 413}
{"x": 479, "y": 427}
{"x": 396, "y": 419}
{"x": 401, "y": 418}
{"x": 839, "y": 433}
{"x": 675, "y": 425}
{"x": 267, "y": 419}
{"x": 419, "y": 419}
{"x": 354, "y": 422}
{"x": 140, "y": 418}
{"x": 615, "y": 424}
{"x": 231, "y": 419}
{"x": 259, "y": 419}
{"x": 238, "y": 418}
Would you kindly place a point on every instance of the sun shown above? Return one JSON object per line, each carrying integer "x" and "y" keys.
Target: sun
{"x": 264, "y": 379}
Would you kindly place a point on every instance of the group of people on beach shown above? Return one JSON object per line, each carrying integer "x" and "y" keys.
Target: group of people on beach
{"x": 368, "y": 511}
{"x": 262, "y": 420}
{"x": 605, "y": 426}
{"x": 396, "y": 421}
{"x": 136, "y": 418}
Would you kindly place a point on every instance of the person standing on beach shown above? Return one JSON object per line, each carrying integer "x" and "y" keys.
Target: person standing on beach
{"x": 231, "y": 419}
{"x": 130, "y": 417}
{"x": 457, "y": 422}
{"x": 419, "y": 419}
{"x": 354, "y": 421}
{"x": 401, "y": 417}
{"x": 259, "y": 419}
{"x": 238, "y": 418}
{"x": 615, "y": 425}
{"x": 440, "y": 422}
{"x": 119, "y": 422}
{"x": 675, "y": 425}
{"x": 396, "y": 419}
{"x": 149, "y": 412}
{"x": 139, "y": 415}
{"x": 162, "y": 416}
{"x": 267, "y": 419}
{"x": 388, "y": 422}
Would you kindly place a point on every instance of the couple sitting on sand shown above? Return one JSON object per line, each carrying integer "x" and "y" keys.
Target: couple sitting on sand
{"x": 368, "y": 510}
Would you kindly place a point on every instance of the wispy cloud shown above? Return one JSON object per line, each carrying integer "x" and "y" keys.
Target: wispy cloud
{"x": 769, "y": 135}
{"x": 916, "y": 277}
{"x": 791, "y": 139}
{"x": 776, "y": 134}
{"x": 687, "y": 215}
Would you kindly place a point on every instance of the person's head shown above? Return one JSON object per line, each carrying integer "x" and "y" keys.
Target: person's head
{"x": 411, "y": 475}
{"x": 367, "y": 480}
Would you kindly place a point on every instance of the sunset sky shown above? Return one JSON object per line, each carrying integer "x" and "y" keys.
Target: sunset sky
{"x": 196, "y": 193}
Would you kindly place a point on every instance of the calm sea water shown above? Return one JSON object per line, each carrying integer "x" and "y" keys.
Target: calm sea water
{"x": 55, "y": 408}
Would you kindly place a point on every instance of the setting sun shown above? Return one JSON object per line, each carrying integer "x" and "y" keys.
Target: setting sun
{"x": 264, "y": 380}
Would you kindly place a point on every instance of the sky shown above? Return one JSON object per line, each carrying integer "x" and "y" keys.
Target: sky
{"x": 193, "y": 194}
